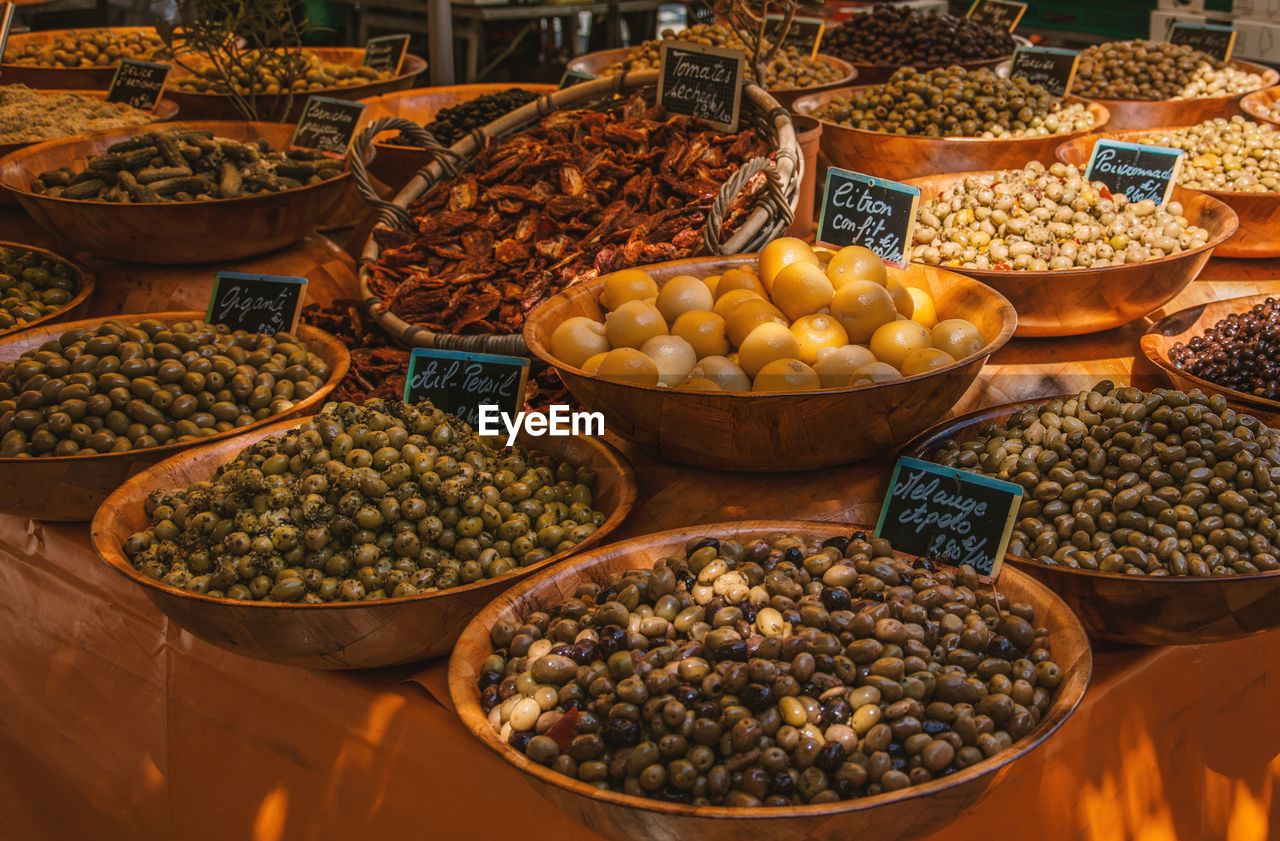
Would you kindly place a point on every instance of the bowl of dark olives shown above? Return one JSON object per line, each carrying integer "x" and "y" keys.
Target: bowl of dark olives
{"x": 39, "y": 287}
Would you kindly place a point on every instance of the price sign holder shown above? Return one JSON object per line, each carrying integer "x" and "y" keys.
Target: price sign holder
{"x": 951, "y": 516}
{"x": 259, "y": 303}
{"x": 1218, "y": 41}
{"x": 327, "y": 124}
{"x": 1000, "y": 14}
{"x": 138, "y": 83}
{"x": 703, "y": 82}
{"x": 805, "y": 33}
{"x": 386, "y": 52}
{"x": 460, "y": 383}
{"x": 1134, "y": 170}
{"x": 1050, "y": 68}
{"x": 575, "y": 77}
{"x": 873, "y": 212}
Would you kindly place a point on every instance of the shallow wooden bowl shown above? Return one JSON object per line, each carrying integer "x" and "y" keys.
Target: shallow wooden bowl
{"x": 900, "y": 157}
{"x": 341, "y": 635}
{"x": 1152, "y": 114}
{"x": 1259, "y": 103}
{"x": 1071, "y": 302}
{"x": 776, "y": 431}
{"x": 910, "y": 813}
{"x": 75, "y": 308}
{"x": 61, "y": 78}
{"x": 598, "y": 62}
{"x": 878, "y": 74}
{"x": 216, "y": 106}
{"x": 1139, "y": 610}
{"x": 395, "y": 165}
{"x": 1185, "y": 325}
{"x": 70, "y": 488}
{"x": 170, "y": 232}
{"x": 1259, "y": 213}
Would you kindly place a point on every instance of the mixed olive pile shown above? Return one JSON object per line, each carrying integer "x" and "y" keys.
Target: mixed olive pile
{"x": 28, "y": 115}
{"x": 900, "y": 36}
{"x": 1240, "y": 352}
{"x": 32, "y": 285}
{"x": 302, "y": 72}
{"x": 1150, "y": 70}
{"x": 1045, "y": 218}
{"x": 1235, "y": 155}
{"x": 1166, "y": 483}
{"x": 789, "y": 68}
{"x": 784, "y": 671}
{"x": 360, "y": 503}
{"x": 89, "y": 48}
{"x": 126, "y": 386}
{"x": 954, "y": 102}
{"x": 187, "y": 165}
{"x": 453, "y": 123}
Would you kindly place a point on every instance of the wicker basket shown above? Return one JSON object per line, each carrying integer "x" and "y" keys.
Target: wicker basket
{"x": 770, "y": 217}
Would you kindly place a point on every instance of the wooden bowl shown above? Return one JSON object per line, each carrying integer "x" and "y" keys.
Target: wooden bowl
{"x": 910, "y": 813}
{"x": 900, "y": 156}
{"x": 1187, "y": 324}
{"x": 342, "y": 635}
{"x": 170, "y": 232}
{"x": 1152, "y": 114}
{"x": 62, "y": 78}
{"x": 1259, "y": 213}
{"x": 1071, "y": 302}
{"x": 75, "y": 308}
{"x": 217, "y": 106}
{"x": 1259, "y": 103}
{"x": 782, "y": 430}
{"x": 69, "y": 488}
{"x": 1133, "y": 609}
{"x": 878, "y": 74}
{"x": 395, "y": 165}
{"x": 598, "y": 63}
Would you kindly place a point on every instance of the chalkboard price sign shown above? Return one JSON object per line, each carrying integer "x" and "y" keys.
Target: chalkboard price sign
{"x": 805, "y": 34}
{"x": 1217, "y": 41}
{"x": 1137, "y": 171}
{"x": 327, "y": 125}
{"x": 949, "y": 515}
{"x": 138, "y": 83}
{"x": 460, "y": 383}
{"x": 998, "y": 14}
{"x": 1050, "y": 68}
{"x": 873, "y": 212}
{"x": 259, "y": 303}
{"x": 575, "y": 77}
{"x": 703, "y": 82}
{"x": 6, "y": 21}
{"x": 386, "y": 52}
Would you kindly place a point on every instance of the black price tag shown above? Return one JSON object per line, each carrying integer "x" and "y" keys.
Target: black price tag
{"x": 873, "y": 212}
{"x": 1217, "y": 41}
{"x": 575, "y": 77}
{"x": 259, "y": 303}
{"x": 805, "y": 33}
{"x": 951, "y": 516}
{"x": 998, "y": 14}
{"x": 703, "y": 82}
{"x": 138, "y": 83}
{"x": 327, "y": 124}
{"x": 1050, "y": 68}
{"x": 386, "y": 52}
{"x": 461, "y": 383}
{"x": 1133, "y": 170}
{"x": 7, "y": 11}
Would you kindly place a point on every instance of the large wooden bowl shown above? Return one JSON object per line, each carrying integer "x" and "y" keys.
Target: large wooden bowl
{"x": 1185, "y": 325}
{"x": 216, "y": 106}
{"x": 70, "y": 488}
{"x": 776, "y": 431}
{"x": 1071, "y": 302}
{"x": 1259, "y": 213}
{"x": 1259, "y": 104}
{"x": 878, "y": 74}
{"x": 395, "y": 165}
{"x": 170, "y": 232}
{"x": 61, "y": 78}
{"x": 1134, "y": 609}
{"x": 341, "y": 635}
{"x": 75, "y": 308}
{"x": 910, "y": 813}
{"x": 1153, "y": 114}
{"x": 900, "y": 156}
{"x": 598, "y": 63}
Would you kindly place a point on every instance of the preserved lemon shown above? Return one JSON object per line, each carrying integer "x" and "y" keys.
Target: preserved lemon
{"x": 699, "y": 384}
{"x": 836, "y": 365}
{"x": 723, "y": 372}
{"x": 768, "y": 342}
{"x": 901, "y": 295}
{"x": 924, "y": 310}
{"x": 781, "y": 253}
{"x": 592, "y": 365}
{"x": 785, "y": 375}
{"x": 633, "y": 324}
{"x": 861, "y": 306}
{"x": 801, "y": 289}
{"x": 577, "y": 339}
{"x": 629, "y": 365}
{"x": 925, "y": 359}
{"x": 682, "y": 294}
{"x": 957, "y": 337}
{"x": 749, "y": 315}
{"x": 627, "y": 285}
{"x": 874, "y": 372}
{"x": 726, "y": 302}
{"x": 704, "y": 331}
{"x": 817, "y": 333}
{"x": 740, "y": 278}
{"x": 854, "y": 262}
{"x": 673, "y": 356}
{"x": 894, "y": 342}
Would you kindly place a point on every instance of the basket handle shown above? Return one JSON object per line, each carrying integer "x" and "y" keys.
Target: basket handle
{"x": 363, "y": 152}
{"x": 774, "y": 196}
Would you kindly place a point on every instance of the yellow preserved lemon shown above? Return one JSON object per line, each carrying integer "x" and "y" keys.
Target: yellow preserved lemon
{"x": 633, "y": 324}
{"x": 957, "y": 337}
{"x": 786, "y": 375}
{"x": 673, "y": 356}
{"x": 854, "y": 262}
{"x": 894, "y": 342}
{"x": 577, "y": 339}
{"x": 681, "y": 294}
{"x": 925, "y": 359}
{"x": 726, "y": 302}
{"x": 704, "y": 331}
{"x": 836, "y": 365}
{"x": 861, "y": 306}
{"x": 749, "y": 315}
{"x": 874, "y": 372}
{"x": 817, "y": 333}
{"x": 901, "y": 295}
{"x": 699, "y": 384}
{"x": 801, "y": 289}
{"x": 781, "y": 253}
{"x": 711, "y": 282}
{"x": 627, "y": 285}
{"x": 766, "y": 343}
{"x": 723, "y": 372}
{"x": 592, "y": 365}
{"x": 741, "y": 278}
{"x": 629, "y": 365}
{"x": 924, "y": 310}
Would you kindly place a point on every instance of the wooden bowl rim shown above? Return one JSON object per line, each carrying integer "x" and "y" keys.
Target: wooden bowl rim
{"x": 949, "y": 178}
{"x": 1269, "y": 78}
{"x": 413, "y": 65}
{"x": 1252, "y": 103}
{"x": 329, "y": 345}
{"x": 1000, "y": 413}
{"x": 110, "y": 511}
{"x": 1008, "y": 324}
{"x": 84, "y": 288}
{"x": 19, "y": 157}
{"x": 374, "y": 101}
{"x": 464, "y": 693}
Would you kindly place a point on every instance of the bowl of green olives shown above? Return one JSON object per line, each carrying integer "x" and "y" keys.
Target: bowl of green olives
{"x": 1192, "y": 560}
{"x": 370, "y": 535}
{"x": 86, "y": 404}
{"x": 775, "y": 684}
{"x": 77, "y": 59}
{"x": 39, "y": 287}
